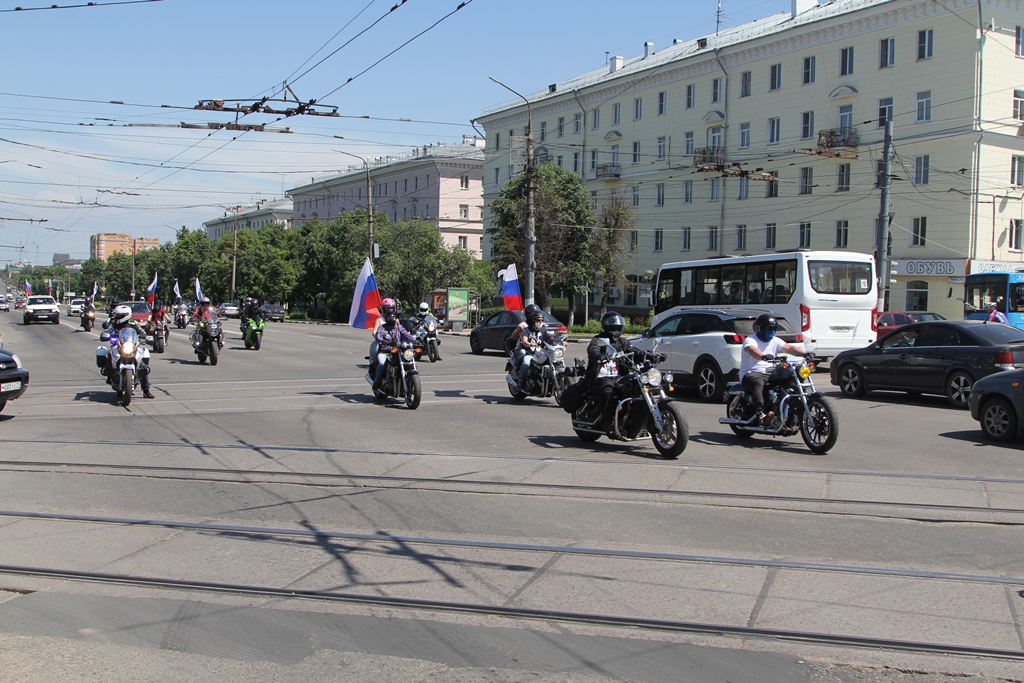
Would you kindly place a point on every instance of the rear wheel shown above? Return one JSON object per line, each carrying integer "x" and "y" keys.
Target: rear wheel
{"x": 823, "y": 434}
{"x": 517, "y": 394}
{"x": 213, "y": 353}
{"x": 587, "y": 436}
{"x": 998, "y": 420}
{"x": 415, "y": 393}
{"x": 675, "y": 433}
{"x": 851, "y": 380}
{"x": 710, "y": 383}
{"x": 739, "y": 410}
{"x": 958, "y": 389}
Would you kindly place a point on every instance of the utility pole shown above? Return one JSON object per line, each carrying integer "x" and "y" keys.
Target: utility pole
{"x": 133, "y": 268}
{"x": 531, "y": 226}
{"x": 369, "y": 197}
{"x": 234, "y": 256}
{"x": 882, "y": 246}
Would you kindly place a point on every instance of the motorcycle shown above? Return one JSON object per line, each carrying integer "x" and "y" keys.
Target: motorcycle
{"x": 181, "y": 317}
{"x": 159, "y": 333}
{"x": 798, "y": 407}
{"x": 252, "y": 332}
{"x": 208, "y": 337}
{"x": 643, "y": 409}
{"x": 542, "y": 372}
{"x": 121, "y": 361}
{"x": 426, "y": 337}
{"x": 88, "y": 319}
{"x": 402, "y": 379}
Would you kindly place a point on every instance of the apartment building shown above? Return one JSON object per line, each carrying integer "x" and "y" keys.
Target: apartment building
{"x": 439, "y": 183}
{"x": 768, "y": 137}
{"x": 101, "y": 246}
{"x": 253, "y": 216}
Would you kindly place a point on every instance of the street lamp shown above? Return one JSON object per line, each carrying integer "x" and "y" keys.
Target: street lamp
{"x": 531, "y": 237}
{"x": 369, "y": 196}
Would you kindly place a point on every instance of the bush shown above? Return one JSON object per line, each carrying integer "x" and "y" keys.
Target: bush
{"x": 298, "y": 315}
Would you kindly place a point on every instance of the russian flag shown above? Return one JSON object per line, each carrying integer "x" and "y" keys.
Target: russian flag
{"x": 49, "y": 286}
{"x": 199, "y": 291}
{"x": 365, "y": 300}
{"x": 28, "y": 288}
{"x": 151, "y": 296}
{"x": 510, "y": 288}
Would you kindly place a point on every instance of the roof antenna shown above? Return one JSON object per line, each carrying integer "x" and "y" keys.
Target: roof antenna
{"x": 718, "y": 17}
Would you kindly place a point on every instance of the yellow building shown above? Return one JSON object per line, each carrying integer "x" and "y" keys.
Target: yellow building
{"x": 103, "y": 245}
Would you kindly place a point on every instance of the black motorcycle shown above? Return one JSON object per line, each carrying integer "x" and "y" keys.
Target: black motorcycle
{"x": 159, "y": 333}
{"x": 208, "y": 337}
{"x": 796, "y": 405}
{"x": 643, "y": 408}
{"x": 402, "y": 379}
{"x": 543, "y": 372}
{"x": 88, "y": 318}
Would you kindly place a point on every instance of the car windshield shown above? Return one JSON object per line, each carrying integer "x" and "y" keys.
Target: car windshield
{"x": 78, "y": 302}
{"x": 40, "y": 300}
{"x": 139, "y": 307}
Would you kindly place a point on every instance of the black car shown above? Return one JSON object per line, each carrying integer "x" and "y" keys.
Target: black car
{"x": 997, "y": 402}
{"x": 13, "y": 377}
{"x": 272, "y": 312}
{"x": 496, "y": 328}
{"x": 941, "y": 357}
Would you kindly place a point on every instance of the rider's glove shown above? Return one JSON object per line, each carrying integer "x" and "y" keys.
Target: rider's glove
{"x": 768, "y": 357}
{"x": 660, "y": 357}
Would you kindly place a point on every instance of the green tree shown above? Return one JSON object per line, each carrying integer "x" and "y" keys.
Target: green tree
{"x": 615, "y": 220}
{"x": 191, "y": 254}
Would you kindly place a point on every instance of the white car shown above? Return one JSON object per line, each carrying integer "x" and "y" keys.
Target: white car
{"x": 5, "y": 305}
{"x": 76, "y": 307}
{"x": 41, "y": 308}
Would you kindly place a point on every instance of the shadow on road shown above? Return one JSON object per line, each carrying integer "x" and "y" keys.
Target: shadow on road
{"x": 640, "y": 449}
{"x": 107, "y": 396}
{"x": 974, "y": 437}
{"x": 787, "y": 444}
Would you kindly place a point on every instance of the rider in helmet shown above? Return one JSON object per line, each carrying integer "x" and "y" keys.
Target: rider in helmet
{"x": 602, "y": 370}
{"x": 388, "y": 335}
{"x": 204, "y": 309}
{"x": 121, "y": 318}
{"x": 422, "y": 313}
{"x": 758, "y": 349}
{"x": 159, "y": 312}
{"x": 525, "y": 335}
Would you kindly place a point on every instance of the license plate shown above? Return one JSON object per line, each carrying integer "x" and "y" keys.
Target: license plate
{"x": 10, "y": 386}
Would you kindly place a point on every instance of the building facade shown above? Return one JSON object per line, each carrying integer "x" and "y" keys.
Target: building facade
{"x": 103, "y": 245}
{"x": 442, "y": 184}
{"x": 254, "y": 216}
{"x": 769, "y": 136}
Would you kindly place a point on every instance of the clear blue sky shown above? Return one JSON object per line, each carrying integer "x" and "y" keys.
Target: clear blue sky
{"x": 61, "y": 142}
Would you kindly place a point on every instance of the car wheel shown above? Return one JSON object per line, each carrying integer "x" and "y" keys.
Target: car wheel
{"x": 851, "y": 381}
{"x": 474, "y": 344}
{"x": 3, "y": 404}
{"x": 710, "y": 383}
{"x": 56, "y": 321}
{"x": 998, "y": 420}
{"x": 958, "y": 389}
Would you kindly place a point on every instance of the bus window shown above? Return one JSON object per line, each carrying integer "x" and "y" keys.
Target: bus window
{"x": 837, "y": 277}
{"x": 687, "y": 295}
{"x": 732, "y": 284}
{"x": 1016, "y": 302}
{"x": 708, "y": 286}
{"x": 983, "y": 289}
{"x": 667, "y": 292}
{"x": 759, "y": 279}
{"x": 785, "y": 280}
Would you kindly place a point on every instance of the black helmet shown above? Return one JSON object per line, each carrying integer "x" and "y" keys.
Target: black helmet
{"x": 612, "y": 324}
{"x": 159, "y": 304}
{"x": 765, "y": 322}
{"x": 532, "y": 311}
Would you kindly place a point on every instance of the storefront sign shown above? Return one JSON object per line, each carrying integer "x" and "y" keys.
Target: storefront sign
{"x": 996, "y": 267}
{"x": 931, "y": 267}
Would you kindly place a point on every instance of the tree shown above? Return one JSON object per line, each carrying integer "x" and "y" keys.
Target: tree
{"x": 190, "y": 256}
{"x": 615, "y": 220}
{"x": 563, "y": 213}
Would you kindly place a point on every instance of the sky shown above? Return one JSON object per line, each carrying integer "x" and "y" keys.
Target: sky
{"x": 92, "y": 98}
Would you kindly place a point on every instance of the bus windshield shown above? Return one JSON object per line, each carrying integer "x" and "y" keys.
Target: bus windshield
{"x": 838, "y": 277}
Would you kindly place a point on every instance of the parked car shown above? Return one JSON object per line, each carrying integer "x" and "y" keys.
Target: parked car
{"x": 13, "y": 377}
{"x": 497, "y": 327}
{"x": 5, "y": 305}
{"x": 41, "y": 308}
{"x": 75, "y": 307}
{"x": 890, "y": 320}
{"x": 140, "y": 310}
{"x": 997, "y": 403}
{"x": 229, "y": 309}
{"x": 272, "y": 312}
{"x": 943, "y": 357}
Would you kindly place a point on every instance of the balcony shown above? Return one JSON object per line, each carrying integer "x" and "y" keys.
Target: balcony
{"x": 608, "y": 171}
{"x": 837, "y": 137}
{"x": 709, "y": 156}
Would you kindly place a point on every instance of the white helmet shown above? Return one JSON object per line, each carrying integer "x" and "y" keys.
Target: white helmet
{"x": 121, "y": 314}
{"x": 424, "y": 308}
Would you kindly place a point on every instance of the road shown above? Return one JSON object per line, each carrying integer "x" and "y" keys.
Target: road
{"x": 265, "y": 519}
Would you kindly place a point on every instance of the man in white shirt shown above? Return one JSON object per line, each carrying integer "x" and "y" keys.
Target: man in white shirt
{"x": 754, "y": 368}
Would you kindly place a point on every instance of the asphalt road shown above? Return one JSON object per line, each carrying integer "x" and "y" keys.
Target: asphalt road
{"x": 277, "y": 469}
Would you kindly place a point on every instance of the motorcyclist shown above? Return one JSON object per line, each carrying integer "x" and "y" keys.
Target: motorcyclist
{"x": 388, "y": 336}
{"x": 250, "y": 310}
{"x": 602, "y": 370}
{"x": 159, "y": 312}
{"x": 120, "y": 319}
{"x": 181, "y": 309}
{"x": 204, "y": 309}
{"x": 526, "y": 336}
{"x": 422, "y": 313}
{"x": 758, "y": 349}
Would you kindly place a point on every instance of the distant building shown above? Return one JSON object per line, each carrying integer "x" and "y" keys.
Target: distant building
{"x": 103, "y": 245}
{"x": 253, "y": 216}
{"x": 66, "y": 261}
{"x": 442, "y": 184}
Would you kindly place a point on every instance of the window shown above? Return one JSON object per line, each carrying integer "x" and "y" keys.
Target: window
{"x": 744, "y": 188}
{"x": 918, "y": 233}
{"x": 662, "y": 147}
{"x": 688, "y": 143}
{"x": 463, "y": 242}
{"x": 744, "y": 135}
{"x": 808, "y": 70}
{"x": 774, "y": 131}
{"x": 886, "y": 53}
{"x": 577, "y": 123}
{"x": 616, "y": 114}
{"x": 659, "y": 239}
{"x": 1018, "y": 105}
{"x": 741, "y": 237}
{"x": 543, "y": 131}
{"x": 806, "y": 180}
{"x": 636, "y": 196}
{"x": 716, "y": 90}
{"x": 638, "y": 109}
{"x": 924, "y": 106}
{"x": 615, "y": 155}
{"x": 497, "y": 172}
{"x": 634, "y": 239}
{"x": 561, "y": 126}
{"x": 497, "y": 141}
{"x": 846, "y": 61}
{"x": 803, "y": 240}
{"x": 842, "y": 234}
{"x": 1017, "y": 171}
{"x": 463, "y": 183}
{"x": 713, "y": 238}
{"x": 771, "y": 185}
{"x": 575, "y": 162}
{"x": 917, "y": 295}
{"x": 687, "y": 192}
{"x": 1019, "y": 49}
{"x": 659, "y": 194}
{"x": 769, "y": 236}
{"x": 593, "y": 159}
{"x": 845, "y": 119}
{"x": 716, "y": 188}
{"x": 775, "y": 77}
{"x": 558, "y": 161}
{"x": 884, "y": 111}
{"x": 1016, "y": 228}
{"x": 843, "y": 178}
{"x": 595, "y": 119}
{"x": 745, "y": 81}
{"x": 662, "y": 105}
{"x": 921, "y": 170}
{"x": 636, "y": 152}
{"x": 684, "y": 239}
{"x": 807, "y": 125}
{"x": 924, "y": 44}
{"x": 691, "y": 96}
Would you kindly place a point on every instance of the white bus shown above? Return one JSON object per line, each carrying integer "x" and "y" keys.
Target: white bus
{"x": 830, "y": 296}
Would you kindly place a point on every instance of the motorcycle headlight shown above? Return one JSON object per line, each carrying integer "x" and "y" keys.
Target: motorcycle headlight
{"x": 431, "y": 327}
{"x": 667, "y": 378}
{"x": 652, "y": 377}
{"x": 559, "y": 354}
{"x": 212, "y": 327}
{"x": 805, "y": 372}
{"x": 127, "y": 348}
{"x": 407, "y": 354}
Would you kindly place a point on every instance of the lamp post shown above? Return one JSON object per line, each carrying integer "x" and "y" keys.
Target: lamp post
{"x": 369, "y": 196}
{"x": 531, "y": 237}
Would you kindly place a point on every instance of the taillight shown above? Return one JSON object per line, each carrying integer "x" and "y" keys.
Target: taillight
{"x": 799, "y": 337}
{"x": 733, "y": 339}
{"x": 874, "y": 319}
{"x": 805, "y": 318}
{"x": 562, "y": 328}
{"x": 1004, "y": 360}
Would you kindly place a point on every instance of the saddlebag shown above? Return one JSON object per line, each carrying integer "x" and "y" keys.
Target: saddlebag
{"x": 572, "y": 397}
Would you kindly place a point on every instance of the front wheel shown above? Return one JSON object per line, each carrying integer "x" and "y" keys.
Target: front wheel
{"x": 432, "y": 351}
{"x": 822, "y": 435}
{"x": 127, "y": 385}
{"x": 414, "y": 393}
{"x": 256, "y": 341}
{"x": 675, "y": 433}
{"x": 958, "y": 389}
{"x": 158, "y": 344}
{"x": 474, "y": 344}
{"x": 998, "y": 420}
{"x": 213, "y": 353}
{"x": 88, "y": 326}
